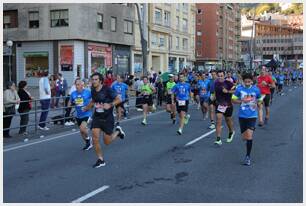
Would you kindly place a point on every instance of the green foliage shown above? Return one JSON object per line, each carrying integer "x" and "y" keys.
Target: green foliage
{"x": 296, "y": 8}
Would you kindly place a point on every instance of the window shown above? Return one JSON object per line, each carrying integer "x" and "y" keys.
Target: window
{"x": 185, "y": 44}
{"x": 161, "y": 41}
{"x": 178, "y": 7}
{"x": 167, "y": 17}
{"x": 199, "y": 53}
{"x": 59, "y": 18}
{"x": 158, "y": 16}
{"x": 199, "y": 33}
{"x": 177, "y": 42}
{"x": 199, "y": 43}
{"x": 128, "y": 27}
{"x": 199, "y": 20}
{"x": 100, "y": 21}
{"x": 154, "y": 40}
{"x": 170, "y": 42}
{"x": 178, "y": 23}
{"x": 10, "y": 19}
{"x": 199, "y": 11}
{"x": 113, "y": 23}
{"x": 34, "y": 19}
{"x": 185, "y": 26}
{"x": 185, "y": 7}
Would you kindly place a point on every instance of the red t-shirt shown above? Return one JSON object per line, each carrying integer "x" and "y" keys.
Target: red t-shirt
{"x": 108, "y": 81}
{"x": 264, "y": 89}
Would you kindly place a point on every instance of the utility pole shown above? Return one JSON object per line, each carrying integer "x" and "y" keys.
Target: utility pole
{"x": 142, "y": 18}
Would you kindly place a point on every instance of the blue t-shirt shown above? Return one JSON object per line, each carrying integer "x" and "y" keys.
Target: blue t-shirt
{"x": 204, "y": 89}
{"x": 300, "y": 74}
{"x": 81, "y": 99}
{"x": 121, "y": 89}
{"x": 212, "y": 85}
{"x": 281, "y": 79}
{"x": 249, "y": 109}
{"x": 182, "y": 91}
{"x": 294, "y": 74}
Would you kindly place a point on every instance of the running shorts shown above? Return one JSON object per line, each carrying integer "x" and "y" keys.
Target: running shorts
{"x": 227, "y": 113}
{"x": 80, "y": 120}
{"x": 266, "y": 100}
{"x": 280, "y": 87}
{"x": 203, "y": 99}
{"x": 106, "y": 124}
{"x": 147, "y": 99}
{"x": 168, "y": 98}
{"x": 247, "y": 123}
{"x": 183, "y": 108}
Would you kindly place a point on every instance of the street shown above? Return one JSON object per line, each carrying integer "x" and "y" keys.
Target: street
{"x": 153, "y": 164}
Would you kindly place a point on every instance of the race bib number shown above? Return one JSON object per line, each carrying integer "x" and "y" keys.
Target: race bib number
{"x": 221, "y": 108}
{"x": 79, "y": 101}
{"x": 99, "y": 107}
{"x": 181, "y": 102}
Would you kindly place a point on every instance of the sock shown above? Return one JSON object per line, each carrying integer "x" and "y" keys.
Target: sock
{"x": 218, "y": 138}
{"x": 249, "y": 146}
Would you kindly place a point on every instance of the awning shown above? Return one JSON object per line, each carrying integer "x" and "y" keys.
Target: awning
{"x": 35, "y": 54}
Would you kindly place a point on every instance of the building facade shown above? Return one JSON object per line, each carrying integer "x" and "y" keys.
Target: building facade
{"x": 73, "y": 39}
{"x": 218, "y": 30}
{"x": 170, "y": 32}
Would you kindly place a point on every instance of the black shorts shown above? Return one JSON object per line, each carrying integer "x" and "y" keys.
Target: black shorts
{"x": 147, "y": 99}
{"x": 169, "y": 99}
{"x": 280, "y": 87}
{"x": 182, "y": 108}
{"x": 80, "y": 120}
{"x": 293, "y": 79}
{"x": 267, "y": 99}
{"x": 106, "y": 124}
{"x": 120, "y": 105}
{"x": 211, "y": 102}
{"x": 228, "y": 112}
{"x": 300, "y": 79}
{"x": 247, "y": 123}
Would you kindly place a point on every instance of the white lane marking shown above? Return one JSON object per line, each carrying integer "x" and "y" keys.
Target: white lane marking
{"x": 89, "y": 195}
{"x": 199, "y": 138}
{"x": 40, "y": 141}
{"x": 10, "y": 148}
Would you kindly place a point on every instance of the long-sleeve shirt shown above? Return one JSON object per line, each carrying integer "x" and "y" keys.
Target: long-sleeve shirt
{"x": 10, "y": 98}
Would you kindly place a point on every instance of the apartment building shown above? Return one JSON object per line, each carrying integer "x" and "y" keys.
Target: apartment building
{"x": 170, "y": 35}
{"x": 74, "y": 39}
{"x": 218, "y": 30}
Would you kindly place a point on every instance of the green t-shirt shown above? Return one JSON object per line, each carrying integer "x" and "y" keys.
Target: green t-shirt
{"x": 146, "y": 89}
{"x": 169, "y": 86}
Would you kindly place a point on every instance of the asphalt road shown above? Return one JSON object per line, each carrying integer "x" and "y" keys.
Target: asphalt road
{"x": 154, "y": 165}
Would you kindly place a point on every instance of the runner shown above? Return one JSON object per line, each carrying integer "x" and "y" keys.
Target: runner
{"x": 121, "y": 89}
{"x": 212, "y": 99}
{"x": 147, "y": 90}
{"x": 248, "y": 96}
{"x": 294, "y": 77}
{"x": 104, "y": 99}
{"x": 280, "y": 83}
{"x": 195, "y": 91}
{"x": 81, "y": 98}
{"x": 223, "y": 93}
{"x": 170, "y": 106}
{"x": 182, "y": 92}
{"x": 301, "y": 77}
{"x": 272, "y": 89}
{"x": 204, "y": 94}
{"x": 264, "y": 83}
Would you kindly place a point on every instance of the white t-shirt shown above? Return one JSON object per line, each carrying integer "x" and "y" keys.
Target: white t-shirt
{"x": 43, "y": 86}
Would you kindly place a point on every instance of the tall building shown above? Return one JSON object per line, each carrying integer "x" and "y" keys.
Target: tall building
{"x": 73, "y": 39}
{"x": 218, "y": 30}
{"x": 170, "y": 34}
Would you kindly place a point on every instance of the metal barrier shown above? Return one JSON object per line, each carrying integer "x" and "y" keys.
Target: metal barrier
{"x": 64, "y": 109}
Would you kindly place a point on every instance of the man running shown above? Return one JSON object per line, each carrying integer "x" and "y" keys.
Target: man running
{"x": 170, "y": 106}
{"x": 104, "y": 99}
{"x": 121, "y": 88}
{"x": 301, "y": 77}
{"x": 223, "y": 93}
{"x": 272, "y": 89}
{"x": 147, "y": 90}
{"x": 248, "y": 96}
{"x": 182, "y": 92}
{"x": 264, "y": 83}
{"x": 212, "y": 99}
{"x": 204, "y": 94}
{"x": 280, "y": 83}
{"x": 81, "y": 98}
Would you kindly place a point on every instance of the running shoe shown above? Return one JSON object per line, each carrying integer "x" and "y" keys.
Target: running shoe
{"x": 247, "y": 161}
{"x": 230, "y": 137}
{"x": 144, "y": 122}
{"x": 212, "y": 126}
{"x": 117, "y": 124}
{"x": 99, "y": 163}
{"x": 173, "y": 121}
{"x": 260, "y": 124}
{"x": 180, "y": 131}
{"x": 187, "y": 117}
{"x": 218, "y": 142}
{"x": 121, "y": 132}
{"x": 88, "y": 145}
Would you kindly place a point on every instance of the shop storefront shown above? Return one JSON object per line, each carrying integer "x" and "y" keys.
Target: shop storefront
{"x": 99, "y": 58}
{"x": 138, "y": 65}
{"x": 171, "y": 65}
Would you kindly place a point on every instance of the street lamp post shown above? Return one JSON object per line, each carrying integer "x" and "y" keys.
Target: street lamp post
{"x": 9, "y": 43}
